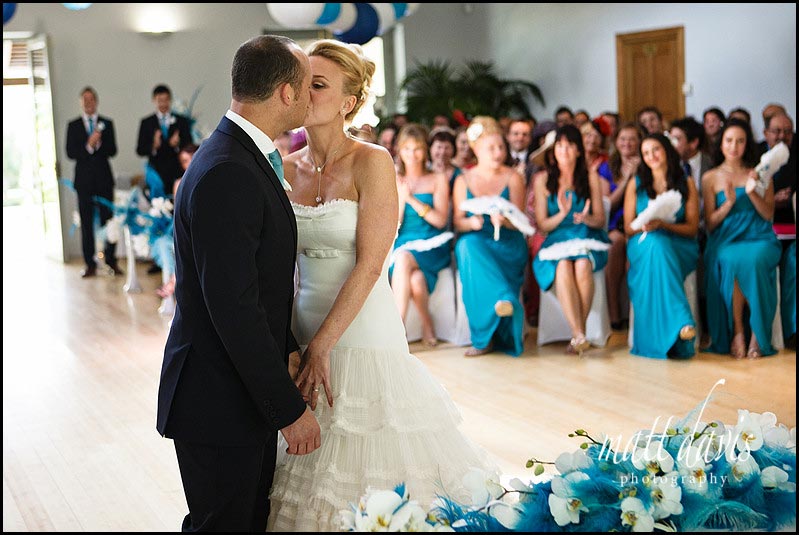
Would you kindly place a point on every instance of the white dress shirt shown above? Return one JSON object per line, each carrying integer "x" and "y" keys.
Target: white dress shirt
{"x": 261, "y": 140}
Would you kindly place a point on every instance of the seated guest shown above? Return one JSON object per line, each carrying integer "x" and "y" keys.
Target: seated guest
{"x": 442, "y": 152}
{"x": 742, "y": 250}
{"x": 779, "y": 128}
{"x": 617, "y": 171}
{"x": 662, "y": 259}
{"x": 568, "y": 207}
{"x": 712, "y": 121}
{"x": 491, "y": 265}
{"x": 650, "y": 120}
{"x": 421, "y": 249}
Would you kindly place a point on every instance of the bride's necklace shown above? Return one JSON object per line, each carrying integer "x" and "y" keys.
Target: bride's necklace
{"x": 320, "y": 168}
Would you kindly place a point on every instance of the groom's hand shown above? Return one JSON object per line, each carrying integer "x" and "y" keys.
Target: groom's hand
{"x": 304, "y": 435}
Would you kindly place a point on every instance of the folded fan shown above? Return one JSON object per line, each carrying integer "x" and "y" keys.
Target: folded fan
{"x": 769, "y": 164}
{"x": 499, "y": 205}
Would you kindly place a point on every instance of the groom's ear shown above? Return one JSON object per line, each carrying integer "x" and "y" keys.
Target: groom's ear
{"x": 286, "y": 93}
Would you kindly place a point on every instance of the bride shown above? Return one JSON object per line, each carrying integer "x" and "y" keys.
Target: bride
{"x": 384, "y": 418}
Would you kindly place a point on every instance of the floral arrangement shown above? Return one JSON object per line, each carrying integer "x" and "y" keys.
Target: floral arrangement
{"x": 691, "y": 476}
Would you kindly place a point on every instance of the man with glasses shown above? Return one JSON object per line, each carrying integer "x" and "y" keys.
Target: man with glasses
{"x": 779, "y": 127}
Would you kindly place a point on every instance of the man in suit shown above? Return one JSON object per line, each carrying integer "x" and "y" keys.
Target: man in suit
{"x": 162, "y": 135}
{"x": 225, "y": 387}
{"x": 779, "y": 128}
{"x": 519, "y": 137}
{"x": 91, "y": 142}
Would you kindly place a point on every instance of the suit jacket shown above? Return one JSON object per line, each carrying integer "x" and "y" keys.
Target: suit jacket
{"x": 93, "y": 174}
{"x": 224, "y": 378}
{"x": 165, "y": 160}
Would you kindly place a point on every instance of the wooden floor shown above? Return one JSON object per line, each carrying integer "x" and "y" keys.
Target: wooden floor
{"x": 81, "y": 361}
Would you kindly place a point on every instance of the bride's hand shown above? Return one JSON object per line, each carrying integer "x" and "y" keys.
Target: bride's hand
{"x": 314, "y": 373}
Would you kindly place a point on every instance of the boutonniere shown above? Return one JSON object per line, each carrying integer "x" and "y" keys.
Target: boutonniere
{"x": 100, "y": 126}
{"x": 171, "y": 120}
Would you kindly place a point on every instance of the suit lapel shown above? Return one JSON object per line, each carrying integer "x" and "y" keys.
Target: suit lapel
{"x": 229, "y": 127}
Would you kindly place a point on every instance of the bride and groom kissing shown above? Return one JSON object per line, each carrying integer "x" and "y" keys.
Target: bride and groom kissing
{"x": 243, "y": 220}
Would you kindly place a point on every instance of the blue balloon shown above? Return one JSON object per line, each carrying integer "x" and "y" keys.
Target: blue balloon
{"x": 8, "y": 12}
{"x": 330, "y": 13}
{"x": 366, "y": 25}
{"x": 400, "y": 9}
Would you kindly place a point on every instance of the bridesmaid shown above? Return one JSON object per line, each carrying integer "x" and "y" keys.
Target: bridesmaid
{"x": 491, "y": 271}
{"x": 659, "y": 262}
{"x": 568, "y": 206}
{"x": 422, "y": 248}
{"x": 742, "y": 250}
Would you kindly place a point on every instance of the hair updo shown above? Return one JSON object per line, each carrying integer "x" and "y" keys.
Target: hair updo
{"x": 357, "y": 68}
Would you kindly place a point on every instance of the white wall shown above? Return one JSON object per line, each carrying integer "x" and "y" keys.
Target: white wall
{"x": 735, "y": 54}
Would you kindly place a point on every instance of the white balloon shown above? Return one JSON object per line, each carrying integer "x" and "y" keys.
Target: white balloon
{"x": 387, "y": 16}
{"x": 412, "y": 7}
{"x": 296, "y": 15}
{"x": 346, "y": 19}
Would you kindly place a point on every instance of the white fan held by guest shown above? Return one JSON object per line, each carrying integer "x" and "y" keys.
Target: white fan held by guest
{"x": 499, "y": 205}
{"x": 769, "y": 164}
{"x": 664, "y": 207}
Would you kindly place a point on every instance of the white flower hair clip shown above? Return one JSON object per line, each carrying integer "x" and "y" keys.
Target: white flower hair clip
{"x": 473, "y": 132}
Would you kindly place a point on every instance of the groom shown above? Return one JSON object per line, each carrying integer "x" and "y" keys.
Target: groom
{"x": 225, "y": 388}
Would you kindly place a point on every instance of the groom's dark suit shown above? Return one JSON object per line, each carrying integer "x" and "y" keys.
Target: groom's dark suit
{"x": 225, "y": 388}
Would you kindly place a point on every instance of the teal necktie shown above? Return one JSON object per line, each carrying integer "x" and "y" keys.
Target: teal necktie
{"x": 164, "y": 127}
{"x": 277, "y": 165}
{"x": 91, "y": 125}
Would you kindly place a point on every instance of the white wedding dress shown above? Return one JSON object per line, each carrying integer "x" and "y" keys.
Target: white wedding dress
{"x": 391, "y": 421}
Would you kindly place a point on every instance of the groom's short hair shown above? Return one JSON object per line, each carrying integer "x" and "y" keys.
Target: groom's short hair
{"x": 263, "y": 64}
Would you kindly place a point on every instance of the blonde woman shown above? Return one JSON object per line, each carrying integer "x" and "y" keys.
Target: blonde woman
{"x": 490, "y": 263}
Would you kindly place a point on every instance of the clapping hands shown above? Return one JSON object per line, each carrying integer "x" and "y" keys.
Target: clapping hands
{"x": 580, "y": 216}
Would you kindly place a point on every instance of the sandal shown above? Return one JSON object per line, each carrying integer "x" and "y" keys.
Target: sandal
{"x": 476, "y": 352}
{"x": 738, "y": 346}
{"x": 579, "y": 344}
{"x": 687, "y": 332}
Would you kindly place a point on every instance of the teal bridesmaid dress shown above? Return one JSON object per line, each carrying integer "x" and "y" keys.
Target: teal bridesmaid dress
{"x": 429, "y": 245}
{"x": 788, "y": 291}
{"x": 659, "y": 264}
{"x": 492, "y": 271}
{"x": 574, "y": 240}
{"x": 743, "y": 248}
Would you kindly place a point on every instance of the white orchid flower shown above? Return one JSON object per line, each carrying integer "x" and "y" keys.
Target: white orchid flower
{"x": 749, "y": 431}
{"x": 666, "y": 496}
{"x": 571, "y": 462}
{"x": 409, "y": 517}
{"x": 693, "y": 469}
{"x": 379, "y": 510}
{"x": 346, "y": 520}
{"x": 505, "y": 514}
{"x": 635, "y": 515}
{"x": 776, "y": 478}
{"x": 792, "y": 439}
{"x": 563, "y": 505}
{"x": 654, "y": 459}
{"x": 777, "y": 436}
{"x": 742, "y": 469}
{"x": 483, "y": 486}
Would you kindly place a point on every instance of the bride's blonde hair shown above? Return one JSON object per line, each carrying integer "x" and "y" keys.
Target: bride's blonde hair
{"x": 357, "y": 68}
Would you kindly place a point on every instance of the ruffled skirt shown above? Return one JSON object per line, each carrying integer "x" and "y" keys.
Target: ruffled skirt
{"x": 391, "y": 422}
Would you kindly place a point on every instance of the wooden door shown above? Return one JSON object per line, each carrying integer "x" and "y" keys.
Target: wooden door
{"x": 650, "y": 69}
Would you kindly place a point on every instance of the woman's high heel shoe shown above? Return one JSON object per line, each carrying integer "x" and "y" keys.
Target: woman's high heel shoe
{"x": 579, "y": 344}
{"x": 688, "y": 332}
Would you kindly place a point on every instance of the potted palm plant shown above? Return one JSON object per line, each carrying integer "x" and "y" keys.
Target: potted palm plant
{"x": 435, "y": 88}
